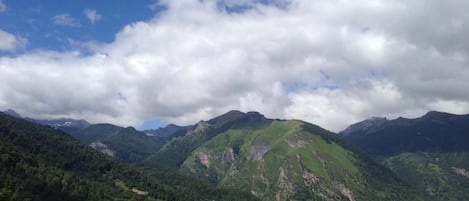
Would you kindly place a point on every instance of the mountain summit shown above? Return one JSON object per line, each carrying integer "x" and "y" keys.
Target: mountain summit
{"x": 278, "y": 160}
{"x": 433, "y": 132}
{"x": 430, "y": 152}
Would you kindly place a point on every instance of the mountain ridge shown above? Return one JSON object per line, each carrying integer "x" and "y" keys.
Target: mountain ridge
{"x": 42, "y": 163}
{"x": 278, "y": 160}
{"x": 429, "y": 152}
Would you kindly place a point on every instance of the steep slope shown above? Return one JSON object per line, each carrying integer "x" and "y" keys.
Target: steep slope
{"x": 174, "y": 153}
{"x": 281, "y": 160}
{"x": 430, "y": 152}
{"x": 127, "y": 144}
{"x": 41, "y": 163}
{"x": 439, "y": 176}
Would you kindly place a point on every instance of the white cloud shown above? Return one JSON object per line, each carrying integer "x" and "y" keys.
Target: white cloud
{"x": 328, "y": 62}
{"x": 92, "y": 15}
{"x": 10, "y": 42}
{"x": 3, "y": 7}
{"x": 65, "y": 19}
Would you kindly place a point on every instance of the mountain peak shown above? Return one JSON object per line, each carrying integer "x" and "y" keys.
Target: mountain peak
{"x": 12, "y": 113}
{"x": 236, "y": 116}
{"x": 369, "y": 124}
{"x": 435, "y": 114}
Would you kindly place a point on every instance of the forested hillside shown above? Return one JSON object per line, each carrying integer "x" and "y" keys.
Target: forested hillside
{"x": 41, "y": 163}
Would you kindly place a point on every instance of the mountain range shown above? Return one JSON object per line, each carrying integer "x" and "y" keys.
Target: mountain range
{"x": 42, "y": 163}
{"x": 430, "y": 152}
{"x": 278, "y": 160}
{"x": 376, "y": 159}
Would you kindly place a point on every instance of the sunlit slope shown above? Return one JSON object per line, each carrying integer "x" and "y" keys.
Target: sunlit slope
{"x": 292, "y": 160}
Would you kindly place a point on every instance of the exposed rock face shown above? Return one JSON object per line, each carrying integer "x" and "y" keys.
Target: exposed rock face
{"x": 102, "y": 148}
{"x": 345, "y": 191}
{"x": 257, "y": 152}
{"x": 284, "y": 185}
{"x": 201, "y": 126}
{"x": 311, "y": 179}
{"x": 228, "y": 155}
{"x": 296, "y": 144}
{"x": 461, "y": 171}
{"x": 203, "y": 158}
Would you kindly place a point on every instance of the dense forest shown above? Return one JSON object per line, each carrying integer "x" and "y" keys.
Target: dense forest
{"x": 42, "y": 163}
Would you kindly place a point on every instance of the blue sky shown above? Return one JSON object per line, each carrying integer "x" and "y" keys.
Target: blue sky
{"x": 34, "y": 20}
{"x": 331, "y": 63}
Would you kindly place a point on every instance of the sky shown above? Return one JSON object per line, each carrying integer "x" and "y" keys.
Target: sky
{"x": 148, "y": 63}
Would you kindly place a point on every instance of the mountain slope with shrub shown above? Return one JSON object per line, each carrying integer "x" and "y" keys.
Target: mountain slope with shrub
{"x": 42, "y": 163}
{"x": 279, "y": 160}
{"x": 127, "y": 144}
{"x": 430, "y": 152}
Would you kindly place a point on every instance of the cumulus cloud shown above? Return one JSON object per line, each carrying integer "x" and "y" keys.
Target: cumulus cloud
{"x": 10, "y": 42}
{"x": 65, "y": 19}
{"x": 331, "y": 63}
{"x": 92, "y": 15}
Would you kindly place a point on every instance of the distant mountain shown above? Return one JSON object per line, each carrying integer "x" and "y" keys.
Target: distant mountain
{"x": 127, "y": 144}
{"x": 279, "y": 160}
{"x": 433, "y": 132}
{"x": 430, "y": 152}
{"x": 65, "y": 124}
{"x": 12, "y": 113}
{"x": 168, "y": 132}
{"x": 42, "y": 163}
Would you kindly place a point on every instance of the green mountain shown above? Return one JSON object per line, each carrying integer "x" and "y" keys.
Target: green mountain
{"x": 126, "y": 144}
{"x": 41, "y": 163}
{"x": 279, "y": 160}
{"x": 430, "y": 152}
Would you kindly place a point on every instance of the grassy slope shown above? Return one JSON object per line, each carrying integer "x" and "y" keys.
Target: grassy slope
{"x": 293, "y": 153}
{"x": 434, "y": 173}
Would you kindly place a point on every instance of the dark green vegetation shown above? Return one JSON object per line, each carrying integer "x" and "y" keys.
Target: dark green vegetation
{"x": 279, "y": 160}
{"x": 434, "y": 132}
{"x": 126, "y": 144}
{"x": 441, "y": 176}
{"x": 42, "y": 163}
{"x": 431, "y": 152}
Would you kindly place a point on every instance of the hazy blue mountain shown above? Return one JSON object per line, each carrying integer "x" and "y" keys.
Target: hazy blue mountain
{"x": 65, "y": 124}
{"x": 168, "y": 132}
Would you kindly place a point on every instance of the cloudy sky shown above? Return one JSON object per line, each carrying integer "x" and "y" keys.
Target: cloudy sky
{"x": 146, "y": 63}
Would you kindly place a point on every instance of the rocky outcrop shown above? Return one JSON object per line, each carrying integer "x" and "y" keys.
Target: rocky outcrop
{"x": 461, "y": 171}
{"x": 257, "y": 152}
{"x": 228, "y": 156}
{"x": 203, "y": 158}
{"x": 285, "y": 185}
{"x": 199, "y": 127}
{"x": 102, "y": 148}
{"x": 345, "y": 191}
